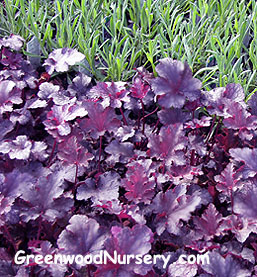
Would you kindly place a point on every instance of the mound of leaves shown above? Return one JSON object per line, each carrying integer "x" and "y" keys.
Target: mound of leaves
{"x": 155, "y": 166}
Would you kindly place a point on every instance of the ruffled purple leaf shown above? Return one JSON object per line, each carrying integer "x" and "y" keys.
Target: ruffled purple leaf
{"x": 9, "y": 95}
{"x": 80, "y": 85}
{"x": 227, "y": 180}
{"x": 175, "y": 84}
{"x": 127, "y": 241}
{"x": 119, "y": 151}
{"x": 19, "y": 148}
{"x": 82, "y": 236}
{"x": 168, "y": 145}
{"x": 173, "y": 206}
{"x": 70, "y": 151}
{"x": 209, "y": 224}
{"x": 57, "y": 119}
{"x": 100, "y": 120}
{"x": 111, "y": 93}
{"x": 47, "y": 199}
{"x": 220, "y": 266}
{"x": 245, "y": 201}
{"x": 60, "y": 59}
{"x": 249, "y": 157}
{"x": 139, "y": 187}
{"x": 104, "y": 188}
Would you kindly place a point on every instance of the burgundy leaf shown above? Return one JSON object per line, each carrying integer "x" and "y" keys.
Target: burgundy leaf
{"x": 135, "y": 241}
{"x": 220, "y": 267}
{"x": 173, "y": 206}
{"x": 100, "y": 190}
{"x": 112, "y": 93}
{"x": 139, "y": 187}
{"x": 168, "y": 145}
{"x": 82, "y": 236}
{"x": 71, "y": 152}
{"x": 175, "y": 83}
{"x": 100, "y": 120}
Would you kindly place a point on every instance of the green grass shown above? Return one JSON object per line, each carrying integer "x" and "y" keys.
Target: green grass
{"x": 118, "y": 36}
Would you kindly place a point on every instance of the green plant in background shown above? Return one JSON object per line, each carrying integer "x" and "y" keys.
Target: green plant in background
{"x": 216, "y": 38}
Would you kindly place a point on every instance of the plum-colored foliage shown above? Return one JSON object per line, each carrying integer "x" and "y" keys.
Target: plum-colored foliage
{"x": 83, "y": 169}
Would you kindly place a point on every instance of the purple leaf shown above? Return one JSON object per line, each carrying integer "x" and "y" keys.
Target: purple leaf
{"x": 82, "y": 236}
{"x": 80, "y": 85}
{"x": 46, "y": 90}
{"x": 208, "y": 225}
{"x": 175, "y": 83}
{"x": 9, "y": 96}
{"x": 127, "y": 241}
{"x": 100, "y": 120}
{"x": 168, "y": 144}
{"x": 249, "y": 157}
{"x": 46, "y": 199}
{"x": 139, "y": 89}
{"x": 60, "y": 59}
{"x": 119, "y": 151}
{"x": 139, "y": 187}
{"x": 112, "y": 93}
{"x": 47, "y": 249}
{"x": 220, "y": 267}
{"x": 172, "y": 116}
{"x": 57, "y": 119}
{"x": 245, "y": 201}
{"x": 71, "y": 152}
{"x": 19, "y": 148}
{"x": 173, "y": 206}
{"x": 99, "y": 190}
{"x": 227, "y": 180}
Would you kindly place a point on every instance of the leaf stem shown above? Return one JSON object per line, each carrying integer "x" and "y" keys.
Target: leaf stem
{"x": 143, "y": 110}
{"x": 123, "y": 116}
{"x": 52, "y": 153}
{"x": 100, "y": 152}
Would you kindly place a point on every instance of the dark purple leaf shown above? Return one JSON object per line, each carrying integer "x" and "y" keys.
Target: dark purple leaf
{"x": 220, "y": 267}
{"x": 168, "y": 145}
{"x": 71, "y": 152}
{"x": 100, "y": 120}
{"x": 112, "y": 93}
{"x": 173, "y": 206}
{"x": 82, "y": 236}
{"x": 209, "y": 224}
{"x": 46, "y": 199}
{"x": 127, "y": 241}
{"x": 172, "y": 116}
{"x": 249, "y": 157}
{"x": 175, "y": 83}
{"x": 139, "y": 187}
{"x": 104, "y": 188}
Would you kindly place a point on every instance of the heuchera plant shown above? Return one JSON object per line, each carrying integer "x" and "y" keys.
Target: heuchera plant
{"x": 152, "y": 166}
